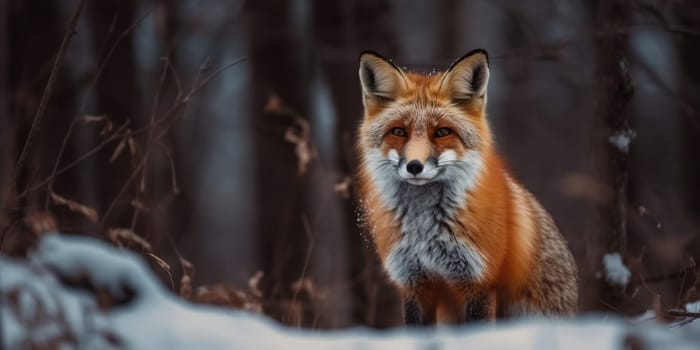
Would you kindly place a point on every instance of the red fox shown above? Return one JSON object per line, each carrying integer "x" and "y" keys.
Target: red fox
{"x": 459, "y": 236}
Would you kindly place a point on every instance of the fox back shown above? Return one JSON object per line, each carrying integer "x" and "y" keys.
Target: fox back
{"x": 455, "y": 231}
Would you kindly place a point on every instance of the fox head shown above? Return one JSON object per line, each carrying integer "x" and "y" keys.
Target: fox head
{"x": 420, "y": 129}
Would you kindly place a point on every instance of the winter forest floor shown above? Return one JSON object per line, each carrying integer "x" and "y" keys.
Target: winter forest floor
{"x": 80, "y": 293}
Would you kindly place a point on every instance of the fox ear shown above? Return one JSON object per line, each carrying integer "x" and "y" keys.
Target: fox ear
{"x": 381, "y": 80}
{"x": 467, "y": 78}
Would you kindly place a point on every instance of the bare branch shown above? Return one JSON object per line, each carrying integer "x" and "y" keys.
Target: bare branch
{"x": 683, "y": 313}
{"x": 665, "y": 277}
{"x": 116, "y": 136}
{"x": 92, "y": 84}
{"x": 167, "y": 117}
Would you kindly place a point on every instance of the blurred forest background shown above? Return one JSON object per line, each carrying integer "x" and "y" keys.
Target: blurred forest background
{"x": 221, "y": 133}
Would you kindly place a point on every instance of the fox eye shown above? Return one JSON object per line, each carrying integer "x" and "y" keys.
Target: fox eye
{"x": 442, "y": 132}
{"x": 400, "y": 132}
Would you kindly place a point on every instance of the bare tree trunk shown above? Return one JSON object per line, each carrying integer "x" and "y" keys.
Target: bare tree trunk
{"x": 279, "y": 67}
{"x": 31, "y": 62}
{"x": 690, "y": 94}
{"x": 7, "y": 127}
{"x": 612, "y": 116}
{"x": 373, "y": 302}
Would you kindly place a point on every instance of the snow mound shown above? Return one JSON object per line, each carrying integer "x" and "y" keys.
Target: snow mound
{"x": 615, "y": 271}
{"x": 40, "y": 309}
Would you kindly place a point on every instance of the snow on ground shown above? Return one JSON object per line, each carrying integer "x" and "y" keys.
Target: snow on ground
{"x": 693, "y": 307}
{"x": 38, "y": 309}
{"x": 615, "y": 271}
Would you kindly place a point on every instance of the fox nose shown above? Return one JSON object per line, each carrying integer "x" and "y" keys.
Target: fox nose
{"x": 414, "y": 167}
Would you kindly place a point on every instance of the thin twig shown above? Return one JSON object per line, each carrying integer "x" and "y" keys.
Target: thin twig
{"x": 121, "y": 192}
{"x": 149, "y": 140}
{"x": 48, "y": 90}
{"x": 309, "y": 236}
{"x": 662, "y": 278}
{"x": 173, "y": 175}
{"x": 178, "y": 84}
{"x": 683, "y": 313}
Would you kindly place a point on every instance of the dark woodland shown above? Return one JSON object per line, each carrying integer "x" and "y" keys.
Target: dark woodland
{"x": 216, "y": 138}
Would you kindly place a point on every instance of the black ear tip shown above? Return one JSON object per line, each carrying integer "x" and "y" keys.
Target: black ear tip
{"x": 476, "y": 52}
{"x": 480, "y": 52}
{"x": 471, "y": 53}
{"x": 367, "y": 53}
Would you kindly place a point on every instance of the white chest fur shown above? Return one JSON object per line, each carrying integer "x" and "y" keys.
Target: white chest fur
{"x": 428, "y": 248}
